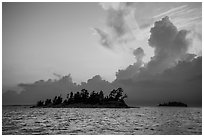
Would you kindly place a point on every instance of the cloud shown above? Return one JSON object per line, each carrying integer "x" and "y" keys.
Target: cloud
{"x": 57, "y": 75}
{"x": 172, "y": 74}
{"x": 139, "y": 54}
{"x": 170, "y": 47}
{"x": 196, "y": 39}
{"x": 169, "y": 44}
{"x": 180, "y": 83}
{"x": 96, "y": 83}
{"x": 132, "y": 70}
{"x": 40, "y": 90}
{"x": 120, "y": 22}
{"x": 188, "y": 57}
{"x": 171, "y": 11}
{"x": 105, "y": 39}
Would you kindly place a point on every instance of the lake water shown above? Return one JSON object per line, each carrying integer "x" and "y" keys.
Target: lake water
{"x": 81, "y": 121}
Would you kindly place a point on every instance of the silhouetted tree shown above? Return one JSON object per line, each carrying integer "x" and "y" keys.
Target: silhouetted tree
{"x": 101, "y": 97}
{"x": 92, "y": 98}
{"x": 71, "y": 98}
{"x": 66, "y": 100}
{"x": 174, "y": 103}
{"x": 119, "y": 93}
{"x": 48, "y": 102}
{"x": 125, "y": 96}
{"x": 115, "y": 96}
{"x": 40, "y": 103}
{"x": 57, "y": 100}
{"x": 77, "y": 97}
{"x": 112, "y": 95}
{"x": 84, "y": 95}
{"x": 54, "y": 100}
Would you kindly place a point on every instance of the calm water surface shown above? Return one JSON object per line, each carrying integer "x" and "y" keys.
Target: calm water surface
{"x": 144, "y": 120}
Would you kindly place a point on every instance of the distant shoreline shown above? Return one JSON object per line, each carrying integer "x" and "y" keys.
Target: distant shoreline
{"x": 173, "y": 104}
{"x": 113, "y": 104}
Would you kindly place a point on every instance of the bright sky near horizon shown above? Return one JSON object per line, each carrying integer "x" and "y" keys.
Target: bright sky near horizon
{"x": 40, "y": 39}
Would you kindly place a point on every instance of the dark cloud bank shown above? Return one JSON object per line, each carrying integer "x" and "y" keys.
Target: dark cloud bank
{"x": 171, "y": 75}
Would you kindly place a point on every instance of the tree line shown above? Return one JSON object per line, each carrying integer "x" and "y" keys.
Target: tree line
{"x": 84, "y": 97}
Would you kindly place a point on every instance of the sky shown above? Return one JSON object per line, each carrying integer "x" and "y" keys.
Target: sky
{"x": 109, "y": 43}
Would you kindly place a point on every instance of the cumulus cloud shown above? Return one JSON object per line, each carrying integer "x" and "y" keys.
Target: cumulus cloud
{"x": 196, "y": 39}
{"x": 96, "y": 83}
{"x": 180, "y": 83}
{"x": 48, "y": 89}
{"x": 169, "y": 44}
{"x": 171, "y": 75}
{"x": 139, "y": 54}
{"x": 132, "y": 70}
{"x": 42, "y": 89}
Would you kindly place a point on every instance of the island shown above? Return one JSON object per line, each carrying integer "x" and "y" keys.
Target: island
{"x": 84, "y": 99}
{"x": 173, "y": 104}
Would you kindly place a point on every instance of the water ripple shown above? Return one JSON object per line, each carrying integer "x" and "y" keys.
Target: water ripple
{"x": 80, "y": 121}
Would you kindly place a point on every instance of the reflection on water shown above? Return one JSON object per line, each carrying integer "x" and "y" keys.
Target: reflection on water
{"x": 145, "y": 120}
